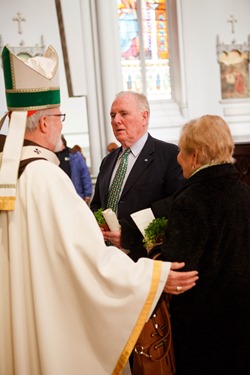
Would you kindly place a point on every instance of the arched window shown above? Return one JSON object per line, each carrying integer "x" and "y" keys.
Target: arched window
{"x": 143, "y": 28}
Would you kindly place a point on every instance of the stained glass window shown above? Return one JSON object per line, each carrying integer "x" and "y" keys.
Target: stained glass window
{"x": 144, "y": 47}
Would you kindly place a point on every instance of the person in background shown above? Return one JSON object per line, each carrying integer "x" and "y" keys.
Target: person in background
{"x": 74, "y": 164}
{"x": 209, "y": 228}
{"x": 112, "y": 147}
{"x": 152, "y": 173}
{"x": 62, "y": 290}
{"x": 78, "y": 148}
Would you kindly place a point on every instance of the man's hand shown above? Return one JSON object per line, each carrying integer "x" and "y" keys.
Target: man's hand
{"x": 113, "y": 237}
{"x": 179, "y": 282}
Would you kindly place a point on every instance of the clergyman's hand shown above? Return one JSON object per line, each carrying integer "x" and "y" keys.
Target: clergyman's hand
{"x": 179, "y": 282}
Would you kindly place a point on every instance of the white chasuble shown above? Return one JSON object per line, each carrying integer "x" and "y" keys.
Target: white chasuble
{"x": 69, "y": 305}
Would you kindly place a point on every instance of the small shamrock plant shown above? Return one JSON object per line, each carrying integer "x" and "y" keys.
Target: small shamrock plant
{"x": 155, "y": 231}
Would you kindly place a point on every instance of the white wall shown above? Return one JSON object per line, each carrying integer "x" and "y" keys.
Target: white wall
{"x": 202, "y": 21}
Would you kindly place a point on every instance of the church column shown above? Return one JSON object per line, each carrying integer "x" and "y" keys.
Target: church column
{"x": 96, "y": 131}
{"x": 110, "y": 58}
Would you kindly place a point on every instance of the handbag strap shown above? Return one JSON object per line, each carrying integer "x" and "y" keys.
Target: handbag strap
{"x": 164, "y": 335}
{"x": 164, "y": 339}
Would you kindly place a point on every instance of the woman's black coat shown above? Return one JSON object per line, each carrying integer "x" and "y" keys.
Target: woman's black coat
{"x": 209, "y": 229}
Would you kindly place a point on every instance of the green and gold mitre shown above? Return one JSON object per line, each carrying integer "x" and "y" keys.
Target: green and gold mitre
{"x": 30, "y": 85}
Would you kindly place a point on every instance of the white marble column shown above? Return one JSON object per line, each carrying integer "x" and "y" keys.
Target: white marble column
{"x": 103, "y": 72}
{"x": 110, "y": 58}
{"x": 93, "y": 84}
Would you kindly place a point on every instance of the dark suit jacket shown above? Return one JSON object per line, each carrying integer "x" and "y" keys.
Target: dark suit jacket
{"x": 155, "y": 175}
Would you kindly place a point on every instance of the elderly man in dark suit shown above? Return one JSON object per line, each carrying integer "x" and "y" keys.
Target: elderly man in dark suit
{"x": 152, "y": 170}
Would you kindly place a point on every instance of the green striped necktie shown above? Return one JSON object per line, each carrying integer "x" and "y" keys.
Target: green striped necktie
{"x": 116, "y": 186}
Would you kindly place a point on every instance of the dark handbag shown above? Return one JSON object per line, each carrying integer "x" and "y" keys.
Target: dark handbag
{"x": 153, "y": 353}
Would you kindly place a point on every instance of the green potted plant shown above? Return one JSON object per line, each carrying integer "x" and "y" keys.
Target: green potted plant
{"x": 101, "y": 220}
{"x": 155, "y": 232}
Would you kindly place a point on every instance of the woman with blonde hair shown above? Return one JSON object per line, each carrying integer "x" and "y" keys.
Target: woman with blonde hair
{"x": 209, "y": 229}
{"x": 205, "y": 142}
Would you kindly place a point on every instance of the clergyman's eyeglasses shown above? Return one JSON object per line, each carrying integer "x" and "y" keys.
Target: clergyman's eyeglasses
{"x": 62, "y": 115}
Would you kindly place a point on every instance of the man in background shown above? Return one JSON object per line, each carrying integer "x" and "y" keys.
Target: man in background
{"x": 74, "y": 164}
